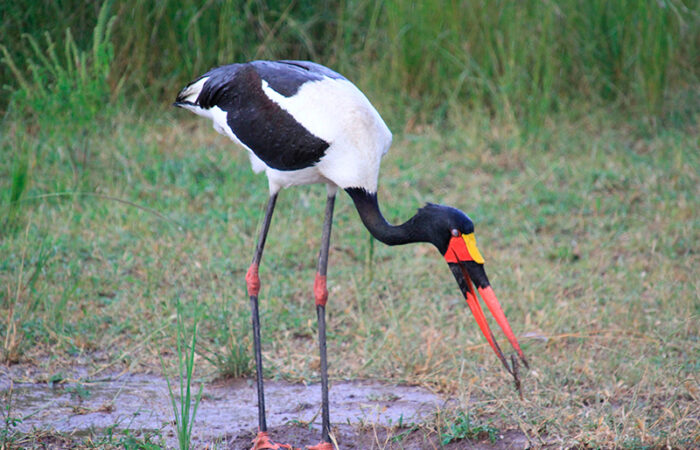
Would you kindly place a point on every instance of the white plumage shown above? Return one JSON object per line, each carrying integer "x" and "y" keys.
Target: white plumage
{"x": 331, "y": 109}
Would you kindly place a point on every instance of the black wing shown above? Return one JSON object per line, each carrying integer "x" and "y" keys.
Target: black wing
{"x": 273, "y": 134}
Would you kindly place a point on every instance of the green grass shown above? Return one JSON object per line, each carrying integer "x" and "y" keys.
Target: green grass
{"x": 576, "y": 155}
{"x": 590, "y": 239}
{"x": 463, "y": 428}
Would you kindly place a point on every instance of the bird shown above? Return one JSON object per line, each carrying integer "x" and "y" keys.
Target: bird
{"x": 303, "y": 123}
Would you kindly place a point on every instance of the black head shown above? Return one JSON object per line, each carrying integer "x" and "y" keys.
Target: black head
{"x": 441, "y": 223}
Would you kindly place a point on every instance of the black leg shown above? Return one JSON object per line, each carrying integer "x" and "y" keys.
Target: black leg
{"x": 321, "y": 294}
{"x": 253, "y": 284}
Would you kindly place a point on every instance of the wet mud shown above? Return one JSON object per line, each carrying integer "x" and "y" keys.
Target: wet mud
{"x": 364, "y": 414}
{"x": 227, "y": 411}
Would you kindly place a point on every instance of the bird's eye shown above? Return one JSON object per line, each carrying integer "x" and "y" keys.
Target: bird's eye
{"x": 455, "y": 232}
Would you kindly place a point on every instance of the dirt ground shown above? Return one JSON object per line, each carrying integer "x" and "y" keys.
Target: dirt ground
{"x": 369, "y": 437}
{"x": 68, "y": 411}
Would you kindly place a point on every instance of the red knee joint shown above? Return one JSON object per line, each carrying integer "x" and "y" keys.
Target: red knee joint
{"x": 252, "y": 280}
{"x": 320, "y": 290}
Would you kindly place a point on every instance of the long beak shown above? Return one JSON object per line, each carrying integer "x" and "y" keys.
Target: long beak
{"x": 466, "y": 264}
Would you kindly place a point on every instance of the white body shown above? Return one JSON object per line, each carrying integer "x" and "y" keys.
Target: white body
{"x": 333, "y": 110}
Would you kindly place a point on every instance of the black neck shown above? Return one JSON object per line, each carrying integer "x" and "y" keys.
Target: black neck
{"x": 368, "y": 207}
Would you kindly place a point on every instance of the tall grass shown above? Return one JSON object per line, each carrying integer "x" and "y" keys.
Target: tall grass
{"x": 523, "y": 59}
{"x": 61, "y": 90}
{"x": 67, "y": 83}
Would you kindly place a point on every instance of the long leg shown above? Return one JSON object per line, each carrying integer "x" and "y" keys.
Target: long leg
{"x": 262, "y": 440}
{"x": 321, "y": 294}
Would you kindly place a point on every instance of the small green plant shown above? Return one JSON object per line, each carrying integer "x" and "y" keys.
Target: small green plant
{"x": 229, "y": 350}
{"x": 79, "y": 391}
{"x": 114, "y": 436}
{"x": 233, "y": 360}
{"x": 463, "y": 428}
{"x": 408, "y": 429}
{"x": 9, "y": 421}
{"x": 148, "y": 441}
{"x": 184, "y": 406}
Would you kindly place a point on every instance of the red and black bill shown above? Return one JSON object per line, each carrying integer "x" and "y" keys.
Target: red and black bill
{"x": 467, "y": 266}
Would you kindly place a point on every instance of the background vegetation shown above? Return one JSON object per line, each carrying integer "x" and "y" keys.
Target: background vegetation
{"x": 518, "y": 59}
{"x": 568, "y": 130}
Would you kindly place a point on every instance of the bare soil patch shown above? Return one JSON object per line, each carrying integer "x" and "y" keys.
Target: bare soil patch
{"x": 374, "y": 437}
{"x": 365, "y": 414}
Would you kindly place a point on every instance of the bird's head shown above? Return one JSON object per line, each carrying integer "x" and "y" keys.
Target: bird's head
{"x": 452, "y": 232}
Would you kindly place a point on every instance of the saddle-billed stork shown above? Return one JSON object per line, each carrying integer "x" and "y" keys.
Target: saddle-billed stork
{"x": 303, "y": 123}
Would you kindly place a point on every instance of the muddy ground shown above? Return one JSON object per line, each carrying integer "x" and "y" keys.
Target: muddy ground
{"x": 72, "y": 410}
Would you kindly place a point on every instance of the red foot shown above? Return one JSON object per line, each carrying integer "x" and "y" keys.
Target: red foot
{"x": 262, "y": 441}
{"x": 252, "y": 280}
{"x": 321, "y": 446}
{"x": 320, "y": 290}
